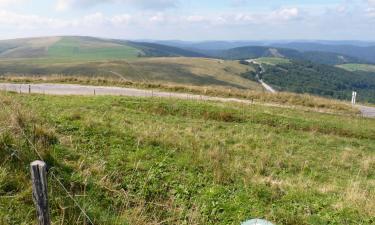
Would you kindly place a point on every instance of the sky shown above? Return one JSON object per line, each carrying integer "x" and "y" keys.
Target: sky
{"x": 191, "y": 20}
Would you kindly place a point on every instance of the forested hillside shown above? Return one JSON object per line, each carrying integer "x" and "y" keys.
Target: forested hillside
{"x": 366, "y": 53}
{"x": 252, "y": 52}
{"x": 324, "y": 80}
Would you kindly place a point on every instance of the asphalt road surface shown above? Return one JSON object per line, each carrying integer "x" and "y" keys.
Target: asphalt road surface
{"x": 367, "y": 111}
{"x": 74, "y": 89}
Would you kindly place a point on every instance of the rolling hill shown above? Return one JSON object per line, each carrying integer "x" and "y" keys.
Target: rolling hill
{"x": 146, "y": 62}
{"x": 171, "y": 70}
{"x": 365, "y": 53}
{"x": 318, "y": 79}
{"x": 133, "y": 61}
{"x": 251, "y": 52}
{"x": 358, "y": 67}
{"x": 71, "y": 48}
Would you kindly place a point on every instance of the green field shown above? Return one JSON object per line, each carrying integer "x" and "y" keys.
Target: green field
{"x": 73, "y": 48}
{"x": 272, "y": 60}
{"x": 170, "y": 70}
{"x": 358, "y": 67}
{"x": 165, "y": 161}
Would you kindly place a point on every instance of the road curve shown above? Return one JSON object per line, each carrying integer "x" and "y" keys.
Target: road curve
{"x": 75, "y": 89}
{"x": 262, "y": 70}
{"x": 267, "y": 87}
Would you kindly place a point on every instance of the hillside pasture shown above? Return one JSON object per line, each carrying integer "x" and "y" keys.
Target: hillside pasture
{"x": 166, "y": 161}
{"x": 272, "y": 60}
{"x": 358, "y": 67}
{"x": 169, "y": 70}
{"x": 89, "y": 49}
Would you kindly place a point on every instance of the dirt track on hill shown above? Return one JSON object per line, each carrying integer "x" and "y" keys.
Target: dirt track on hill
{"x": 75, "y": 89}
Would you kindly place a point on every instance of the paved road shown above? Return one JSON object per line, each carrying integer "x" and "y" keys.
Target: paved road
{"x": 267, "y": 87}
{"x": 262, "y": 70}
{"x": 74, "y": 89}
{"x": 367, "y": 111}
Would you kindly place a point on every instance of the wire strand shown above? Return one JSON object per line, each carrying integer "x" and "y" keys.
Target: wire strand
{"x": 52, "y": 173}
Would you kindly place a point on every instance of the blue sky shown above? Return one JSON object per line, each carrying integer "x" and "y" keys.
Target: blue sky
{"x": 191, "y": 19}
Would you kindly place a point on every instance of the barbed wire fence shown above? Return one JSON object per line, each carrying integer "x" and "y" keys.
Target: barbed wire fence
{"x": 51, "y": 172}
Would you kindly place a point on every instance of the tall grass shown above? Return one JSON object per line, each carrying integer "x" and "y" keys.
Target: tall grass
{"x": 163, "y": 161}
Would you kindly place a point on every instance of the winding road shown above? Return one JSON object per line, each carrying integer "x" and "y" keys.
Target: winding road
{"x": 75, "y": 89}
{"x": 366, "y": 111}
{"x": 262, "y": 70}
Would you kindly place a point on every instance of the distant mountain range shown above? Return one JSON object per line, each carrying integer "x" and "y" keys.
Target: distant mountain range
{"x": 91, "y": 48}
{"x": 333, "y": 52}
{"x": 365, "y": 53}
{"x": 252, "y": 52}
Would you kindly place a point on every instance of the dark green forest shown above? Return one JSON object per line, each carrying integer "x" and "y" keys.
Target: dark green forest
{"x": 252, "y": 52}
{"x": 318, "y": 79}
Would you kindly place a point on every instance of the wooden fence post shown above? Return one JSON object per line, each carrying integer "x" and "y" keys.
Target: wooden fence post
{"x": 39, "y": 181}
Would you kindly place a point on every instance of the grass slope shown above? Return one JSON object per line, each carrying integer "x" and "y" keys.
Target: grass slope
{"x": 252, "y": 52}
{"x": 79, "y": 48}
{"x": 74, "y": 48}
{"x": 153, "y": 161}
{"x": 272, "y": 60}
{"x": 179, "y": 70}
{"x": 365, "y": 53}
{"x": 358, "y": 67}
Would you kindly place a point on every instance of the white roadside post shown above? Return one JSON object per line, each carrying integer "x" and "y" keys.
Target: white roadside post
{"x": 354, "y": 97}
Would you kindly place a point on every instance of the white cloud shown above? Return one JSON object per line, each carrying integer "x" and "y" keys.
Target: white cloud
{"x": 4, "y": 3}
{"x": 144, "y": 4}
{"x": 21, "y": 21}
{"x": 371, "y": 8}
{"x": 285, "y": 14}
{"x": 24, "y": 21}
{"x": 123, "y": 19}
{"x": 277, "y": 16}
{"x": 371, "y": 12}
{"x": 157, "y": 18}
{"x": 63, "y": 5}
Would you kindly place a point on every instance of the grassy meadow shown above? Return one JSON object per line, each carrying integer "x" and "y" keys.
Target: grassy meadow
{"x": 358, "y": 67}
{"x": 167, "y": 161}
{"x": 79, "y": 49}
{"x": 167, "y": 70}
{"x": 66, "y": 49}
{"x": 273, "y": 60}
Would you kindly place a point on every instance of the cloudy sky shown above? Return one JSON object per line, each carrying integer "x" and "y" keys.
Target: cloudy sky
{"x": 191, "y": 19}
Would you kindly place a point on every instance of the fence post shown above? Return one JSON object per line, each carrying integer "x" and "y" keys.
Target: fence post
{"x": 29, "y": 88}
{"x": 39, "y": 183}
